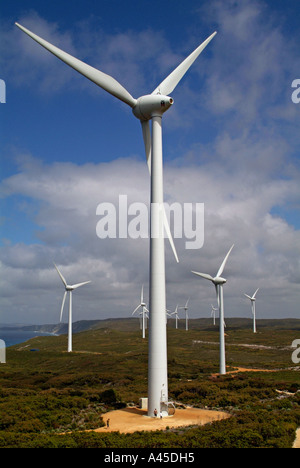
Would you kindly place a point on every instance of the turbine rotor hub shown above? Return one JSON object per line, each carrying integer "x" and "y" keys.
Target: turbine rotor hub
{"x": 151, "y": 105}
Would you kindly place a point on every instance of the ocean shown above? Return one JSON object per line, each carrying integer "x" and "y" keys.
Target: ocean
{"x": 15, "y": 336}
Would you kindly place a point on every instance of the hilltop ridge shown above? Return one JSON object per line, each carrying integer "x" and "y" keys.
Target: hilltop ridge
{"x": 130, "y": 324}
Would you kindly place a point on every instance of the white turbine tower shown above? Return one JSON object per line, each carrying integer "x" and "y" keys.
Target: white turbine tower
{"x": 253, "y": 299}
{"x": 185, "y": 307}
{"x": 68, "y": 289}
{"x": 218, "y": 281}
{"x": 146, "y": 108}
{"x": 143, "y": 312}
{"x": 213, "y": 313}
{"x": 176, "y": 316}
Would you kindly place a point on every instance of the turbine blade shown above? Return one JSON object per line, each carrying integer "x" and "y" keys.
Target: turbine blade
{"x": 218, "y": 297}
{"x": 61, "y": 276}
{"x": 224, "y": 262}
{"x": 147, "y": 141}
{"x": 75, "y": 286}
{"x": 203, "y": 275}
{"x": 167, "y": 229}
{"x": 142, "y": 295}
{"x": 255, "y": 293}
{"x": 147, "y": 144}
{"x": 170, "y": 83}
{"x": 187, "y": 302}
{"x": 62, "y": 305}
{"x": 106, "y": 82}
{"x": 249, "y": 297}
{"x": 136, "y": 309}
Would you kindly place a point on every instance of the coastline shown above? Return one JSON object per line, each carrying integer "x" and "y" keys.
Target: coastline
{"x": 16, "y": 335}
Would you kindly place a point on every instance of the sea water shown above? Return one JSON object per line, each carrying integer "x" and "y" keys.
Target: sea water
{"x": 15, "y": 336}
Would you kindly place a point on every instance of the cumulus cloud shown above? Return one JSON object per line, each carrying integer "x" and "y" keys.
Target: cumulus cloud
{"x": 68, "y": 196}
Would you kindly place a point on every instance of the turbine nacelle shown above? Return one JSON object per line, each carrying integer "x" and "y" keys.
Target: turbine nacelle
{"x": 150, "y": 105}
{"x": 219, "y": 280}
{"x": 252, "y": 298}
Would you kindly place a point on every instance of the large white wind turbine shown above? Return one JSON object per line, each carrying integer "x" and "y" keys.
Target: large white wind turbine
{"x": 68, "y": 289}
{"x": 253, "y": 299}
{"x": 218, "y": 281}
{"x": 146, "y": 108}
{"x": 185, "y": 307}
{"x": 143, "y": 312}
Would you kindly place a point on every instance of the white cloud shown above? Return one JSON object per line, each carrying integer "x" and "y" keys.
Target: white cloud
{"x": 67, "y": 197}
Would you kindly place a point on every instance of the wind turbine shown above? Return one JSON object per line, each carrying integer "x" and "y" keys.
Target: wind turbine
{"x": 68, "y": 289}
{"x": 253, "y": 299}
{"x": 218, "y": 281}
{"x": 168, "y": 314}
{"x": 213, "y": 313}
{"x": 185, "y": 307}
{"x": 146, "y": 108}
{"x": 176, "y": 316}
{"x": 144, "y": 311}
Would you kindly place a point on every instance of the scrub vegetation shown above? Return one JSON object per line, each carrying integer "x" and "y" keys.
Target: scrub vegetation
{"x": 51, "y": 398}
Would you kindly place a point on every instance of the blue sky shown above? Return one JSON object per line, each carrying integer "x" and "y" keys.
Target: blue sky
{"x": 231, "y": 141}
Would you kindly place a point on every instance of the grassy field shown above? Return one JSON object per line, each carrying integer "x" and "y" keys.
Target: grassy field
{"x": 48, "y": 392}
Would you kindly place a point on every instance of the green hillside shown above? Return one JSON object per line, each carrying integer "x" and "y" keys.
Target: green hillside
{"x": 48, "y": 397}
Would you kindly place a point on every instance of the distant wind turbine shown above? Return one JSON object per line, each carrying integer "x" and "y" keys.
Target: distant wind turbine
{"x": 176, "y": 315}
{"x": 213, "y": 313}
{"x": 143, "y": 312}
{"x": 168, "y": 314}
{"x": 185, "y": 307}
{"x": 68, "y": 289}
{"x": 218, "y": 281}
{"x": 253, "y": 299}
{"x": 146, "y": 108}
